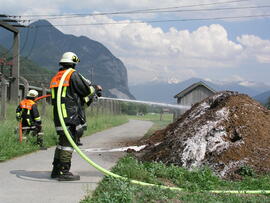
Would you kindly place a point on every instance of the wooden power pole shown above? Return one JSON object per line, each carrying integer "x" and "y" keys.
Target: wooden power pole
{"x": 14, "y": 80}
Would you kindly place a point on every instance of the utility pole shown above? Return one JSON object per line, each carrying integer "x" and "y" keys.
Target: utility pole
{"x": 14, "y": 84}
{"x": 5, "y": 22}
{"x": 3, "y": 97}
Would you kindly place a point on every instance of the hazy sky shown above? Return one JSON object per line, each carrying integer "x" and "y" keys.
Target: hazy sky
{"x": 172, "y": 40}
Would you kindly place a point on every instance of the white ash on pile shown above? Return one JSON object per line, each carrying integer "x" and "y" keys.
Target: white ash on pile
{"x": 225, "y": 132}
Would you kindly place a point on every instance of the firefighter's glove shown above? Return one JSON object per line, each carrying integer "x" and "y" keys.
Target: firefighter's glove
{"x": 89, "y": 100}
{"x": 98, "y": 89}
{"x": 18, "y": 118}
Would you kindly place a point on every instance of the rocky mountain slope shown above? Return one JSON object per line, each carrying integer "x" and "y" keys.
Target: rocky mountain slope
{"x": 44, "y": 44}
{"x": 263, "y": 98}
{"x": 35, "y": 74}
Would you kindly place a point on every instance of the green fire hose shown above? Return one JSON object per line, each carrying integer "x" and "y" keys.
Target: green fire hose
{"x": 108, "y": 173}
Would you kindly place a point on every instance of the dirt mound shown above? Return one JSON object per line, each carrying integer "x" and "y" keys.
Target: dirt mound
{"x": 227, "y": 131}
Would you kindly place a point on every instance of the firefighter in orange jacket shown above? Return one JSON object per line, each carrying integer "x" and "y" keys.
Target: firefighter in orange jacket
{"x": 75, "y": 89}
{"x": 27, "y": 113}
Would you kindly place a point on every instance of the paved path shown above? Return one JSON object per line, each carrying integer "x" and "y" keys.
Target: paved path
{"x": 27, "y": 179}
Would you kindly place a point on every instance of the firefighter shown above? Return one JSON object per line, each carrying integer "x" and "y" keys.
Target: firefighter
{"x": 76, "y": 89}
{"x": 27, "y": 113}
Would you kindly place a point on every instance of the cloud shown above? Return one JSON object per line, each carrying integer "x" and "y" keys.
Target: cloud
{"x": 255, "y": 47}
{"x": 69, "y": 6}
{"x": 149, "y": 51}
{"x": 156, "y": 53}
{"x": 233, "y": 79}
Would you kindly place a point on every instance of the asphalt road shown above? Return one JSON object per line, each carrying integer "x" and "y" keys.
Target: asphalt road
{"x": 27, "y": 179}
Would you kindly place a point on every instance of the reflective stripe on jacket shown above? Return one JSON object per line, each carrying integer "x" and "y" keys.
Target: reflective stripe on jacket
{"x": 28, "y": 111}
{"x": 75, "y": 88}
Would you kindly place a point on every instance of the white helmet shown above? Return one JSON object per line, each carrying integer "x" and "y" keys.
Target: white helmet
{"x": 32, "y": 93}
{"x": 69, "y": 57}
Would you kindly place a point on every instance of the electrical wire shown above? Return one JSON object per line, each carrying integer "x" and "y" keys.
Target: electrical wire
{"x": 109, "y": 173}
{"x": 21, "y": 49}
{"x": 13, "y": 44}
{"x": 168, "y": 11}
{"x": 133, "y": 11}
{"x": 33, "y": 44}
{"x": 217, "y": 9}
{"x": 155, "y": 21}
{"x": 4, "y": 55}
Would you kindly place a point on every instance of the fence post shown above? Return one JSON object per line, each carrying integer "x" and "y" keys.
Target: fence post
{"x": 113, "y": 107}
{"x": 120, "y": 108}
{"x": 26, "y": 86}
{"x": 4, "y": 84}
{"x": 43, "y": 111}
{"x": 107, "y": 106}
{"x": 101, "y": 102}
{"x": 97, "y": 108}
{"x": 161, "y": 114}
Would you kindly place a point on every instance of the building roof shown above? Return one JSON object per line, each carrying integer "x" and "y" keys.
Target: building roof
{"x": 191, "y": 87}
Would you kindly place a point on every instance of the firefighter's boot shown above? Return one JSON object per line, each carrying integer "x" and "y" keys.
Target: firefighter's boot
{"x": 40, "y": 141}
{"x": 56, "y": 168}
{"x": 79, "y": 143}
{"x": 65, "y": 175}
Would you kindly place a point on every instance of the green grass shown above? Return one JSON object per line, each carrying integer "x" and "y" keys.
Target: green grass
{"x": 193, "y": 183}
{"x": 155, "y": 118}
{"x": 10, "y": 146}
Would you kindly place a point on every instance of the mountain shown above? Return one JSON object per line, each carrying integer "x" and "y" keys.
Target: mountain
{"x": 44, "y": 45}
{"x": 35, "y": 74}
{"x": 160, "y": 91}
{"x": 263, "y": 97}
{"x": 165, "y": 92}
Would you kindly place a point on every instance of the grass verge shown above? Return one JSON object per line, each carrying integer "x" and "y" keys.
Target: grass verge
{"x": 194, "y": 183}
{"x": 10, "y": 146}
{"x": 155, "y": 118}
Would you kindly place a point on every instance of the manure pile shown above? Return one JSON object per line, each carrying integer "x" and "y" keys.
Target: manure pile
{"x": 226, "y": 132}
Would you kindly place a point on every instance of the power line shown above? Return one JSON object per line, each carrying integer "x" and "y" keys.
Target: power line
{"x": 175, "y": 11}
{"x": 21, "y": 49}
{"x": 33, "y": 44}
{"x": 130, "y": 12}
{"x": 218, "y": 9}
{"x": 6, "y": 19}
{"x": 157, "y": 21}
{"x": 7, "y": 52}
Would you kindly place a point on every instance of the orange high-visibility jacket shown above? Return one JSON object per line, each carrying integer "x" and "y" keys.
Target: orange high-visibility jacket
{"x": 28, "y": 112}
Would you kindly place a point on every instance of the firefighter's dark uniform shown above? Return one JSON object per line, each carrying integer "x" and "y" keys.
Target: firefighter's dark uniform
{"x": 27, "y": 113}
{"x": 75, "y": 89}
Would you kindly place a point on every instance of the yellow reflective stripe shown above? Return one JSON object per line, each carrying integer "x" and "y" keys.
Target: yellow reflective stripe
{"x": 92, "y": 91}
{"x": 38, "y": 119}
{"x": 64, "y": 110}
{"x": 18, "y": 114}
{"x": 86, "y": 99}
{"x": 28, "y": 112}
{"x": 64, "y": 93}
{"x": 52, "y": 92}
{"x": 28, "y": 121}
